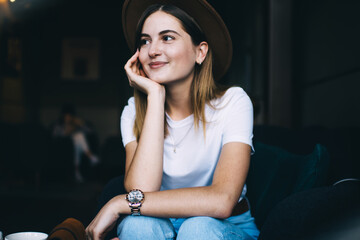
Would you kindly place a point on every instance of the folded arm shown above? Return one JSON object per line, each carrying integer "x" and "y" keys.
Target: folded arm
{"x": 216, "y": 200}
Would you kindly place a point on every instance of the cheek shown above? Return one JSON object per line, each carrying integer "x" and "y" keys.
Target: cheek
{"x": 188, "y": 61}
{"x": 142, "y": 56}
{"x": 185, "y": 56}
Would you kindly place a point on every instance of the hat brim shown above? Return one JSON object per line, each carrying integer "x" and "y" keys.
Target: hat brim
{"x": 209, "y": 20}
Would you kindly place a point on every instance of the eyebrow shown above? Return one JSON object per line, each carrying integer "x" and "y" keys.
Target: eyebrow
{"x": 169, "y": 31}
{"x": 161, "y": 33}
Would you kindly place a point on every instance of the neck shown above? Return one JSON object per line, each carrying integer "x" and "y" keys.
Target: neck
{"x": 178, "y": 100}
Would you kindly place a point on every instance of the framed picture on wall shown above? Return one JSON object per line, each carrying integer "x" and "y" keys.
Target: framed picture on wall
{"x": 80, "y": 59}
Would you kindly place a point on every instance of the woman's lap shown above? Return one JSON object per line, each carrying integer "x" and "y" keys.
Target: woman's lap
{"x": 142, "y": 227}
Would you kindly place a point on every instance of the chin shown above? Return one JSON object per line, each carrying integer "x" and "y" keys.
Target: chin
{"x": 159, "y": 79}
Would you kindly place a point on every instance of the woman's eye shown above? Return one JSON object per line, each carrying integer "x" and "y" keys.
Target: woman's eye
{"x": 144, "y": 42}
{"x": 168, "y": 38}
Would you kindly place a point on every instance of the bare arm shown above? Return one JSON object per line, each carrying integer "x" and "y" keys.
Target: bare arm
{"x": 216, "y": 200}
{"x": 144, "y": 160}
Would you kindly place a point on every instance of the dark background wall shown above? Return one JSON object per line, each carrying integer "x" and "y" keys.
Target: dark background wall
{"x": 42, "y": 27}
{"x": 327, "y": 62}
{"x": 298, "y": 60}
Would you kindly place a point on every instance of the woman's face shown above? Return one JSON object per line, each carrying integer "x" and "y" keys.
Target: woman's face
{"x": 167, "y": 53}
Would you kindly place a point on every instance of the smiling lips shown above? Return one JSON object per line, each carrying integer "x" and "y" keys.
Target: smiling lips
{"x": 155, "y": 65}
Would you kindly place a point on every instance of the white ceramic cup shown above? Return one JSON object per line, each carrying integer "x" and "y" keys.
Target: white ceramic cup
{"x": 27, "y": 236}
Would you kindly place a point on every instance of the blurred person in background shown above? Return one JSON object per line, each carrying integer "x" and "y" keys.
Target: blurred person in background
{"x": 70, "y": 125}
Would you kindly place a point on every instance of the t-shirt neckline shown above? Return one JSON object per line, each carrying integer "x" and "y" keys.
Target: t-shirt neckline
{"x": 179, "y": 123}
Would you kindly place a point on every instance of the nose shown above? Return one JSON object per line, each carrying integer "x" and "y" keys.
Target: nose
{"x": 155, "y": 49}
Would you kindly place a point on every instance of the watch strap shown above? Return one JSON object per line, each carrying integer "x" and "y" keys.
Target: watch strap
{"x": 135, "y": 205}
{"x": 135, "y": 209}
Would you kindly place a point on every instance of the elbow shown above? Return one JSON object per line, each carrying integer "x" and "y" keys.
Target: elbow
{"x": 128, "y": 187}
{"x": 225, "y": 212}
{"x": 225, "y": 208}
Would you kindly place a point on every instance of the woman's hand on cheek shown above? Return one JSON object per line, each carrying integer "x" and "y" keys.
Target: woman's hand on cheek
{"x": 137, "y": 77}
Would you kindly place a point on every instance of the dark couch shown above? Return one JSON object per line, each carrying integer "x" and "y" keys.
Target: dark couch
{"x": 304, "y": 184}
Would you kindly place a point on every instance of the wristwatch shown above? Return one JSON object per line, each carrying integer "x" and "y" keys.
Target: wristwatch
{"x": 135, "y": 199}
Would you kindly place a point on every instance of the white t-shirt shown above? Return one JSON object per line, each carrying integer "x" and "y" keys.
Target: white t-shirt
{"x": 194, "y": 162}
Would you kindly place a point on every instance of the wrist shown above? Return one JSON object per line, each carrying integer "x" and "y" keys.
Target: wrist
{"x": 157, "y": 94}
{"x": 121, "y": 206}
{"x": 135, "y": 199}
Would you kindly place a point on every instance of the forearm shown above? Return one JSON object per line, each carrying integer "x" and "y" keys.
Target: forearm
{"x": 187, "y": 202}
{"x": 146, "y": 167}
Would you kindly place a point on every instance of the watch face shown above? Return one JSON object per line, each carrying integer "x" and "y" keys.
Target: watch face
{"x": 135, "y": 196}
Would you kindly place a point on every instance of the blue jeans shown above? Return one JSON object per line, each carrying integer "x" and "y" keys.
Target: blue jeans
{"x": 240, "y": 227}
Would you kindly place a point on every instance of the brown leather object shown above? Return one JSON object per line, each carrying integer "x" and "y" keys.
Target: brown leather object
{"x": 240, "y": 208}
{"x": 70, "y": 229}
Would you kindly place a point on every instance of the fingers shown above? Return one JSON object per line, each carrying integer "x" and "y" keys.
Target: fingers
{"x": 133, "y": 64}
{"x": 132, "y": 69}
{"x": 104, "y": 221}
{"x": 90, "y": 233}
{"x": 100, "y": 226}
{"x": 138, "y": 78}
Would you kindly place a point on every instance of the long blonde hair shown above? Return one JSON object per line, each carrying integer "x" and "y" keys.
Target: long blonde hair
{"x": 203, "y": 87}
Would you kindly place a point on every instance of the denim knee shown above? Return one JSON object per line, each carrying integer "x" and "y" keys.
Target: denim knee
{"x": 201, "y": 228}
{"x": 142, "y": 227}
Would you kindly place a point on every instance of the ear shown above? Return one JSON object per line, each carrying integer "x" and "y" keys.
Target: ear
{"x": 201, "y": 52}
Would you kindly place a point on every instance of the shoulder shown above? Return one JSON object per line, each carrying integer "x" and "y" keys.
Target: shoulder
{"x": 235, "y": 92}
{"x": 129, "y": 109}
{"x": 232, "y": 96}
{"x": 131, "y": 101}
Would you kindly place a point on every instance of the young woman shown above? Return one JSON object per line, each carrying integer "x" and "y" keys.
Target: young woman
{"x": 188, "y": 142}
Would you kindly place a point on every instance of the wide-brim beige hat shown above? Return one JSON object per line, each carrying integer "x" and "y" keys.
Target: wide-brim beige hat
{"x": 211, "y": 23}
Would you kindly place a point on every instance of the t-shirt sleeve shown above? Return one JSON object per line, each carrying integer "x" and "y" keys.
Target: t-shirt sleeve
{"x": 239, "y": 116}
{"x": 127, "y": 122}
